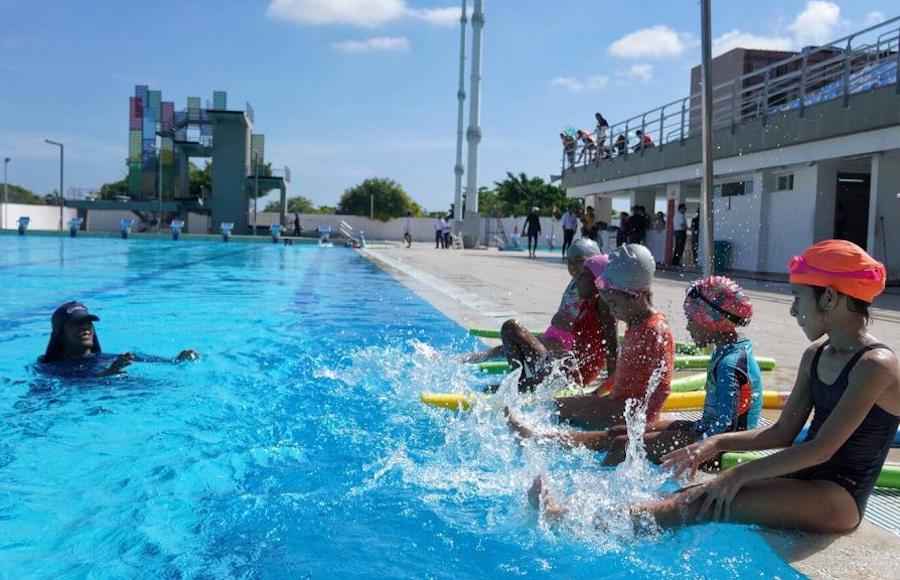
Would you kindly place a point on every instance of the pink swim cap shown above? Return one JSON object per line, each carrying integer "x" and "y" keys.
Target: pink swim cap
{"x": 596, "y": 265}
{"x": 718, "y": 304}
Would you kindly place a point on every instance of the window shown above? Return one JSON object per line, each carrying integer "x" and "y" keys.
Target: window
{"x": 784, "y": 182}
{"x": 733, "y": 188}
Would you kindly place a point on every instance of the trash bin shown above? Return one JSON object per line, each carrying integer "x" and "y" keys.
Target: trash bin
{"x": 721, "y": 256}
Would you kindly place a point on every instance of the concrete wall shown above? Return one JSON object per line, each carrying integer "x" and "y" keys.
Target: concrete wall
{"x": 737, "y": 220}
{"x": 392, "y": 230}
{"x": 788, "y": 219}
{"x": 231, "y": 166}
{"x": 109, "y": 220}
{"x": 884, "y": 212}
{"x": 43, "y": 217}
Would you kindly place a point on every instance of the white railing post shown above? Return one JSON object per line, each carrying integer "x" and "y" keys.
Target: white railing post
{"x": 804, "y": 73}
{"x": 848, "y": 57}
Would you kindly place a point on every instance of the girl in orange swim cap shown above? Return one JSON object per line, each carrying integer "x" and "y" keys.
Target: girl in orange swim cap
{"x": 850, "y": 381}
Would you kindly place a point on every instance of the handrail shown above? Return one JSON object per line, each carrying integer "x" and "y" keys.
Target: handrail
{"x": 772, "y": 89}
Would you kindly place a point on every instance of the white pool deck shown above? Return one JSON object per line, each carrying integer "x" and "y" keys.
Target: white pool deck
{"x": 482, "y": 288}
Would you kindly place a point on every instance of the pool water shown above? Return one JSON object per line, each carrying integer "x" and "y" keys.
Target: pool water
{"x": 297, "y": 446}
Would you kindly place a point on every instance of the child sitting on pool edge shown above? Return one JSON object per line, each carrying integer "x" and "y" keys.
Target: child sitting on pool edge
{"x": 581, "y": 330}
{"x": 714, "y": 307}
{"x": 851, "y": 383}
{"x": 647, "y": 353}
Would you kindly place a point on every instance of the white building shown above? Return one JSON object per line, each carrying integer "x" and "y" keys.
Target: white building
{"x": 806, "y": 148}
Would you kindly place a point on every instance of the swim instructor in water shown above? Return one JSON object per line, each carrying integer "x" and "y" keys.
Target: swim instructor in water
{"x": 74, "y": 345}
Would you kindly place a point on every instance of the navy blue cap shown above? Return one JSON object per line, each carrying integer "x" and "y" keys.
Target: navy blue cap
{"x": 72, "y": 312}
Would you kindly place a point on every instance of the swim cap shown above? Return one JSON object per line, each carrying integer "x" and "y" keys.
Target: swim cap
{"x": 631, "y": 269}
{"x": 718, "y": 304}
{"x": 596, "y": 265}
{"x": 841, "y": 265}
{"x": 582, "y": 248}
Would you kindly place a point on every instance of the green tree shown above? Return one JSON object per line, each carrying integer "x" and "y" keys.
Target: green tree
{"x": 199, "y": 180}
{"x": 517, "y": 194}
{"x": 265, "y": 170}
{"x": 299, "y": 204}
{"x": 112, "y": 189}
{"x": 390, "y": 200}
{"x": 18, "y": 194}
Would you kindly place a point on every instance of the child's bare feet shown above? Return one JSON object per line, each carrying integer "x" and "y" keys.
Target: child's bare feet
{"x": 516, "y": 425}
{"x": 553, "y": 511}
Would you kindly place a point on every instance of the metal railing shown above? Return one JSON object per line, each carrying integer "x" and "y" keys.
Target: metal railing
{"x": 864, "y": 60}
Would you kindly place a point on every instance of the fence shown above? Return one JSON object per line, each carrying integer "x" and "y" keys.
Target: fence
{"x": 862, "y": 61}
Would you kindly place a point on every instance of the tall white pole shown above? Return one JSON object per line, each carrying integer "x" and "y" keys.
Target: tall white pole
{"x": 473, "y": 134}
{"x": 61, "y": 198}
{"x": 5, "y": 194}
{"x": 707, "y": 143}
{"x": 458, "y": 169}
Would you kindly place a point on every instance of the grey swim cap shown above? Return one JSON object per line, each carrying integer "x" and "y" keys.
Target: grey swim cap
{"x": 631, "y": 267}
{"x": 583, "y": 248}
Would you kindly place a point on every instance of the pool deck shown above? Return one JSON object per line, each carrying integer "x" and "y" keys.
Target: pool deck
{"x": 482, "y": 288}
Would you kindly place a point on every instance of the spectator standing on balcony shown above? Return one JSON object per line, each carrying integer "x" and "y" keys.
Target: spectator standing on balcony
{"x": 569, "y": 226}
{"x": 588, "y": 147}
{"x": 439, "y": 224}
{"x": 620, "y": 147}
{"x": 680, "y": 234}
{"x": 569, "y": 147}
{"x": 602, "y": 128}
{"x": 532, "y": 229}
{"x": 645, "y": 141}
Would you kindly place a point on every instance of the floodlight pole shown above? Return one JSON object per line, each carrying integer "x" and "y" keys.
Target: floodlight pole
{"x": 5, "y": 193}
{"x": 707, "y": 143}
{"x": 458, "y": 169}
{"x": 256, "y": 195}
{"x": 473, "y": 134}
{"x": 61, "y": 165}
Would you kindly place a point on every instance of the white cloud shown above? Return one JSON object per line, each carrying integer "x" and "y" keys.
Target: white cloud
{"x": 817, "y": 23}
{"x": 873, "y": 18}
{"x": 594, "y": 83}
{"x": 440, "y": 16}
{"x": 367, "y": 13}
{"x": 376, "y": 44}
{"x": 738, "y": 39}
{"x": 641, "y": 72}
{"x": 658, "y": 41}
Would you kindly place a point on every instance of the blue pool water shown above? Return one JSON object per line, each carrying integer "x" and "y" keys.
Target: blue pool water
{"x": 296, "y": 447}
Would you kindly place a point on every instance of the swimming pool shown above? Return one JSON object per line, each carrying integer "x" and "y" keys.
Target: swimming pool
{"x": 296, "y": 447}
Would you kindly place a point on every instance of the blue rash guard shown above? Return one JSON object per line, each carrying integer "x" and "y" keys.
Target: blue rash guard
{"x": 733, "y": 390}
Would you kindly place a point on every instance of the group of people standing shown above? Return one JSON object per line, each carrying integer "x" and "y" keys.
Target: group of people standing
{"x": 848, "y": 383}
{"x": 591, "y": 146}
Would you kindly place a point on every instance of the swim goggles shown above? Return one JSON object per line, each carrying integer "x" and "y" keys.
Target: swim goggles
{"x": 693, "y": 291}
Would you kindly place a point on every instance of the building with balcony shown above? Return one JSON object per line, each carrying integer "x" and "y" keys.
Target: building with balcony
{"x": 806, "y": 147}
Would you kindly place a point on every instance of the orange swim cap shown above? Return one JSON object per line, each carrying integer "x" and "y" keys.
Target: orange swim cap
{"x": 841, "y": 265}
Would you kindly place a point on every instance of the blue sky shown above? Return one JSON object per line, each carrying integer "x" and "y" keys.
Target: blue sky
{"x": 350, "y": 89}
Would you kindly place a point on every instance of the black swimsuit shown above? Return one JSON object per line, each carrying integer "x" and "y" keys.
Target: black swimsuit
{"x": 857, "y": 463}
